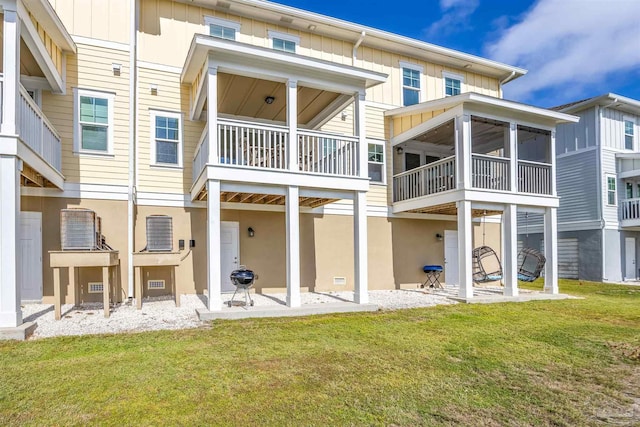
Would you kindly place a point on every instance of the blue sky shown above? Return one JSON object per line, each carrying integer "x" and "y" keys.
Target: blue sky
{"x": 573, "y": 49}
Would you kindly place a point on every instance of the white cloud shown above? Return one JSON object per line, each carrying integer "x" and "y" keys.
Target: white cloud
{"x": 455, "y": 17}
{"x": 570, "y": 44}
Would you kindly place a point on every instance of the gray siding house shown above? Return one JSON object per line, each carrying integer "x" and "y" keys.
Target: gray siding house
{"x": 598, "y": 182}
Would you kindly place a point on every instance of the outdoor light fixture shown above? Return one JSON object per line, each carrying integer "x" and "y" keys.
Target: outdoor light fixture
{"x": 269, "y": 100}
{"x": 399, "y": 150}
{"x": 439, "y": 237}
{"x": 343, "y": 116}
{"x": 251, "y": 232}
{"x": 312, "y": 27}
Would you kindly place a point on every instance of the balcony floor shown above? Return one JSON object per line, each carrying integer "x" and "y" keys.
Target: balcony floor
{"x": 450, "y": 209}
{"x": 265, "y": 199}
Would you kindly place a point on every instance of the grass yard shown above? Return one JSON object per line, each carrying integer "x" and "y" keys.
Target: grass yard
{"x": 571, "y": 362}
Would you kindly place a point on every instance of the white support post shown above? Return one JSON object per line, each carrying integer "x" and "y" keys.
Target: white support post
{"x": 214, "y": 285}
{"x": 465, "y": 248}
{"x": 551, "y": 250}
{"x": 212, "y": 113}
{"x": 552, "y": 160}
{"x": 11, "y": 71}
{"x": 510, "y": 259}
{"x": 513, "y": 156}
{"x": 463, "y": 151}
{"x": 10, "y": 312}
{"x": 293, "y": 245}
{"x": 292, "y": 123}
{"x": 361, "y": 285}
{"x": 360, "y": 126}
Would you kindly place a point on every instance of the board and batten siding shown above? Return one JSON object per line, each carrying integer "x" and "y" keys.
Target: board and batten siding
{"x": 92, "y": 69}
{"x": 609, "y": 212}
{"x": 577, "y": 186}
{"x": 572, "y": 137}
{"x": 97, "y": 19}
{"x": 612, "y": 129}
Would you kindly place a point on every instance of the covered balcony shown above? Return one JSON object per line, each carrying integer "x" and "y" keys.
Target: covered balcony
{"x": 628, "y": 179}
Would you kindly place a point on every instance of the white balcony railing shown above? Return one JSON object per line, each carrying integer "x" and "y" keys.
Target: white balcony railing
{"x": 429, "y": 179}
{"x": 251, "y": 144}
{"x": 36, "y": 131}
{"x": 201, "y": 154}
{"x": 629, "y": 209}
{"x": 490, "y": 172}
{"x": 534, "y": 177}
{"x": 324, "y": 153}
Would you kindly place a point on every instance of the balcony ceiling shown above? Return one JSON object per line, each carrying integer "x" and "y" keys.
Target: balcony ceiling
{"x": 28, "y": 64}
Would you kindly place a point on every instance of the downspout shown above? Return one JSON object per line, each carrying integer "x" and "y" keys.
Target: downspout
{"x": 133, "y": 71}
{"x": 505, "y": 80}
{"x": 356, "y": 46}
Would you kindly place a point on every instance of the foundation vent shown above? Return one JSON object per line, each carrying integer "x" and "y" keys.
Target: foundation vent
{"x": 159, "y": 233}
{"x": 95, "y": 287}
{"x": 79, "y": 229}
{"x": 155, "y": 284}
{"x": 339, "y": 281}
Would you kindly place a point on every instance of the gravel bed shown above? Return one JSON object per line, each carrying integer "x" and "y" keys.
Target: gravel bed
{"x": 161, "y": 313}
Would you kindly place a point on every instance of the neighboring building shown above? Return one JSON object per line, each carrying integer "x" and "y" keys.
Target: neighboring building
{"x": 599, "y": 188}
{"x": 322, "y": 154}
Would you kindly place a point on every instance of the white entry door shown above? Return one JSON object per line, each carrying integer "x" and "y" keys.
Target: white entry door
{"x": 30, "y": 256}
{"x": 229, "y": 253}
{"x": 630, "y": 258}
{"x": 451, "y": 257}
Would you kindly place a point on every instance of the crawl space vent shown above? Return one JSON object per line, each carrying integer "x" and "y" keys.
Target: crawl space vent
{"x": 155, "y": 284}
{"x": 95, "y": 287}
{"x": 339, "y": 281}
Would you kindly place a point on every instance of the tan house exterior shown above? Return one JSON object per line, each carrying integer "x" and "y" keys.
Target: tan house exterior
{"x": 335, "y": 156}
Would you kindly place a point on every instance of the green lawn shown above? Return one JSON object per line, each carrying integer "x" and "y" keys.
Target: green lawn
{"x": 570, "y": 362}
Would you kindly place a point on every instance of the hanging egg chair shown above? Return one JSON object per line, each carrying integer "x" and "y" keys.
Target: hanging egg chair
{"x": 486, "y": 265}
{"x": 530, "y": 264}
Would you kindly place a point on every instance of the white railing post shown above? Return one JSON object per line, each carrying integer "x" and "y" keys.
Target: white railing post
{"x": 552, "y": 160}
{"x": 292, "y": 123}
{"x": 513, "y": 157}
{"x": 360, "y": 131}
{"x": 11, "y": 70}
{"x": 463, "y": 151}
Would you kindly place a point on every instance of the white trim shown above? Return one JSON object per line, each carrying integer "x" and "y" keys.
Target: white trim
{"x": 631, "y": 119}
{"x": 153, "y": 114}
{"x": 101, "y": 43}
{"x": 283, "y": 36}
{"x": 615, "y": 190}
{"x": 159, "y": 67}
{"x": 411, "y": 65}
{"x": 422, "y": 91}
{"x": 224, "y": 23}
{"x": 453, "y": 76}
{"x": 383, "y": 144}
{"x": 110, "y": 97}
{"x": 74, "y": 190}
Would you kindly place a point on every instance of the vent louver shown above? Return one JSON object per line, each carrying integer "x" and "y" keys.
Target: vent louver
{"x": 159, "y": 233}
{"x": 79, "y": 229}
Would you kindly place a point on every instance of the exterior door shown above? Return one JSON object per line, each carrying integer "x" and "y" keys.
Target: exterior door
{"x": 229, "y": 253}
{"x": 30, "y": 256}
{"x": 630, "y": 258}
{"x": 451, "y": 257}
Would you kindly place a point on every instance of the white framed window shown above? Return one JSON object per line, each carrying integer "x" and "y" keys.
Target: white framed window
{"x": 166, "y": 138}
{"x": 629, "y": 188}
{"x": 411, "y": 83}
{"x": 629, "y": 132}
{"x": 375, "y": 158}
{"x": 222, "y": 28}
{"x": 284, "y": 41}
{"x": 452, "y": 83}
{"x": 611, "y": 190}
{"x": 93, "y": 121}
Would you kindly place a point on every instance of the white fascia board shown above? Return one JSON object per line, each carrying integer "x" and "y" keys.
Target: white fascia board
{"x": 605, "y": 100}
{"x": 73, "y": 190}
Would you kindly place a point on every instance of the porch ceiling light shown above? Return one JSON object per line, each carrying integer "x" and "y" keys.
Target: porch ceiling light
{"x": 251, "y": 232}
{"x": 269, "y": 100}
{"x": 399, "y": 150}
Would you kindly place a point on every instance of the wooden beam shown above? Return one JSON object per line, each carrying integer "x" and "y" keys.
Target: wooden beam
{"x": 231, "y": 196}
{"x": 245, "y": 197}
{"x": 258, "y": 197}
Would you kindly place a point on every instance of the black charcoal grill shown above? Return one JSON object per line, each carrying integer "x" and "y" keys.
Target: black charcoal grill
{"x": 243, "y": 280}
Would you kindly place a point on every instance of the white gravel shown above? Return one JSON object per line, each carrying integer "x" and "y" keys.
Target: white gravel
{"x": 161, "y": 313}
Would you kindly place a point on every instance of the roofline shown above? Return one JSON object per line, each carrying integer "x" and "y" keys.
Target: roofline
{"x": 610, "y": 98}
{"x": 476, "y": 98}
{"x": 387, "y": 36}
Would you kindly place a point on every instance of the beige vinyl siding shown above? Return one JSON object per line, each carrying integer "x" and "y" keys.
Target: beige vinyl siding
{"x": 337, "y": 125}
{"x": 172, "y": 97}
{"x": 404, "y": 123}
{"x": 91, "y": 69}
{"x": 97, "y": 19}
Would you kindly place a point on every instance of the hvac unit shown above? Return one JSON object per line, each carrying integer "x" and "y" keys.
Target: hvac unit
{"x": 79, "y": 229}
{"x": 159, "y": 233}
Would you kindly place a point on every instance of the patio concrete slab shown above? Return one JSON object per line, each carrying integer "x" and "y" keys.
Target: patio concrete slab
{"x": 19, "y": 333}
{"x": 234, "y": 313}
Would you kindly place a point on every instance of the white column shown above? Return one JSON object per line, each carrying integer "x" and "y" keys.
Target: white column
{"x": 465, "y": 248}
{"x": 551, "y": 250}
{"x": 463, "y": 151}
{"x": 293, "y": 246}
{"x": 360, "y": 126}
{"x": 513, "y": 156}
{"x": 292, "y": 123}
{"x": 10, "y": 312}
{"x": 212, "y": 113}
{"x": 11, "y": 67}
{"x": 510, "y": 260}
{"x": 552, "y": 160}
{"x": 361, "y": 291}
{"x": 213, "y": 245}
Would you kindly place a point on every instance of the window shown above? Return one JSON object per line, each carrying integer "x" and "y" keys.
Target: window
{"x": 629, "y": 188}
{"x": 284, "y": 41}
{"x": 166, "y": 139}
{"x": 628, "y": 134}
{"x": 611, "y": 190}
{"x": 93, "y": 117}
{"x": 375, "y": 158}
{"x": 411, "y": 83}
{"x": 222, "y": 28}
{"x": 452, "y": 83}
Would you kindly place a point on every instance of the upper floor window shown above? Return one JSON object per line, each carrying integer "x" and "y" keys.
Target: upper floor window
{"x": 611, "y": 190}
{"x": 93, "y": 121}
{"x": 166, "y": 141}
{"x": 222, "y": 28}
{"x": 628, "y": 134}
{"x": 452, "y": 83}
{"x": 375, "y": 158}
{"x": 411, "y": 83}
{"x": 284, "y": 41}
